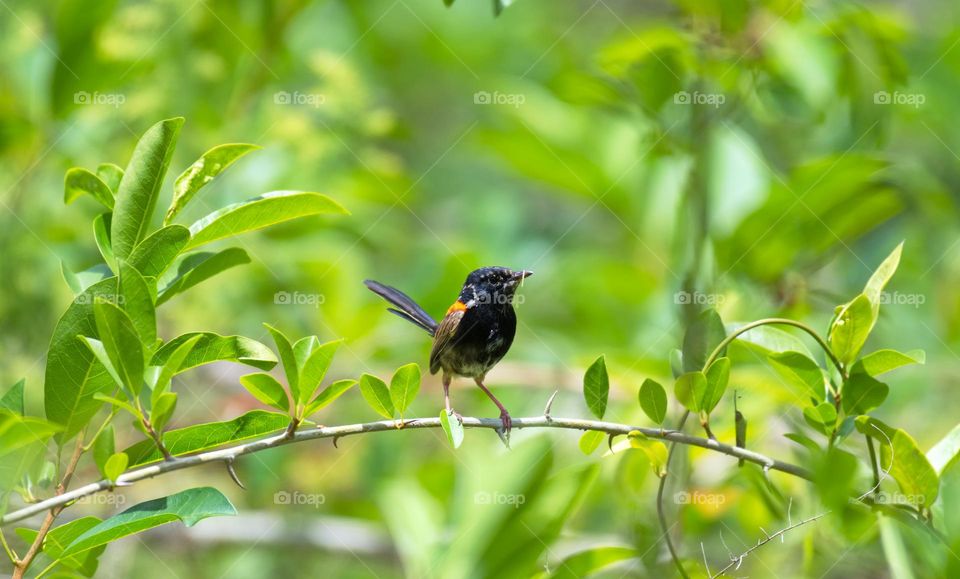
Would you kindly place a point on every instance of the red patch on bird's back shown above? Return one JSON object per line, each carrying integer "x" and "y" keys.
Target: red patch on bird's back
{"x": 457, "y": 306}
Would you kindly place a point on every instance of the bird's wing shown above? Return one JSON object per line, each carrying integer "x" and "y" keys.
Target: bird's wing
{"x": 406, "y": 308}
{"x": 445, "y": 333}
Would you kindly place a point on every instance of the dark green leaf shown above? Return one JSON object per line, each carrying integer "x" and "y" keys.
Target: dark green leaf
{"x": 152, "y": 256}
{"x": 451, "y": 425}
{"x": 140, "y": 186}
{"x": 216, "y": 348}
{"x": 653, "y": 400}
{"x": 189, "y": 506}
{"x": 138, "y": 304}
{"x": 101, "y": 235}
{"x": 121, "y": 342}
{"x": 12, "y": 399}
{"x": 259, "y": 212}
{"x": 801, "y": 373}
{"x": 404, "y": 386}
{"x": 79, "y": 181}
{"x": 823, "y": 417}
{"x": 198, "y": 267}
{"x": 596, "y": 387}
{"x": 375, "y": 392}
{"x": 718, "y": 376}
{"x": 328, "y": 395}
{"x": 266, "y": 389}
{"x": 881, "y": 361}
{"x": 289, "y": 360}
{"x": 863, "y": 393}
{"x": 204, "y": 170}
{"x": 162, "y": 410}
{"x": 701, "y": 339}
{"x": 57, "y": 540}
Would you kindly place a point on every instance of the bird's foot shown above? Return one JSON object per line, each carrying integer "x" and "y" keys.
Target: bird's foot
{"x": 505, "y": 425}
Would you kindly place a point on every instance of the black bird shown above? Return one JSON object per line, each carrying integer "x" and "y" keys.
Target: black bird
{"x": 476, "y": 331}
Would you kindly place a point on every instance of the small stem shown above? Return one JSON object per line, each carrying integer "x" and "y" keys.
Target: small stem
{"x": 873, "y": 462}
{"x": 11, "y": 554}
{"x": 660, "y": 514}
{"x": 93, "y": 439}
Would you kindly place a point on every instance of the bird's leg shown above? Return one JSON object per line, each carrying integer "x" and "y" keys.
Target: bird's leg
{"x": 504, "y": 415}
{"x": 446, "y": 397}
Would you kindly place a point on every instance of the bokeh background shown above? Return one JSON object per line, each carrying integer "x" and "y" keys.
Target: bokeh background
{"x": 645, "y": 159}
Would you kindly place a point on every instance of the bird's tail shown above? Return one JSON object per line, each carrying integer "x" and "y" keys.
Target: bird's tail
{"x": 406, "y": 307}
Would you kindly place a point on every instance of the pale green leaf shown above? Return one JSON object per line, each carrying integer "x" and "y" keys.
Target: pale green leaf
{"x": 287, "y": 358}
{"x": 266, "y": 389}
{"x": 881, "y": 361}
{"x": 202, "y": 171}
{"x": 101, "y": 235}
{"x": 198, "y": 267}
{"x": 851, "y": 328}
{"x": 404, "y": 386}
{"x": 314, "y": 369}
{"x": 110, "y": 174}
{"x": 328, "y": 395}
{"x": 801, "y": 373}
{"x": 590, "y": 440}
{"x": 115, "y": 466}
{"x": 375, "y": 392}
{"x": 452, "y": 427}
{"x": 79, "y": 182}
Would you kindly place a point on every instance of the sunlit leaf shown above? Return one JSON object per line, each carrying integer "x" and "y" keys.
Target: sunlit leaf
{"x": 689, "y": 390}
{"x": 718, "y": 376}
{"x": 328, "y": 395}
{"x": 266, "y": 389}
{"x": 851, "y": 328}
{"x": 152, "y": 256}
{"x": 822, "y": 417}
{"x": 79, "y": 182}
{"x": 653, "y": 400}
{"x": 211, "y": 347}
{"x": 375, "y": 392}
{"x": 590, "y": 440}
{"x": 404, "y": 386}
{"x": 202, "y": 171}
{"x": 198, "y": 267}
{"x": 655, "y": 450}
{"x": 586, "y": 563}
{"x": 801, "y": 373}
{"x": 881, "y": 276}
{"x": 452, "y": 427}
{"x": 101, "y": 235}
{"x": 907, "y": 465}
{"x": 115, "y": 466}
{"x": 12, "y": 399}
{"x": 881, "y": 361}
{"x": 110, "y": 174}
{"x": 314, "y": 369}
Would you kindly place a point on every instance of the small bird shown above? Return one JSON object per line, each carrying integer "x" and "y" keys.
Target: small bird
{"x": 476, "y": 331}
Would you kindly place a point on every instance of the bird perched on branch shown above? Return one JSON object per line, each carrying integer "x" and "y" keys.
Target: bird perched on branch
{"x": 476, "y": 331}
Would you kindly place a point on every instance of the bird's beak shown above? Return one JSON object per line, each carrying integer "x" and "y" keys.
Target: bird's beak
{"x": 521, "y": 275}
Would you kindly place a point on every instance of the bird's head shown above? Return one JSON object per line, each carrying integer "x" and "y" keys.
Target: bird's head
{"x": 492, "y": 285}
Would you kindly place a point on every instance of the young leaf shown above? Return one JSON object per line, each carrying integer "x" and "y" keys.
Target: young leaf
{"x": 104, "y": 447}
{"x": 946, "y": 450}
{"x": 404, "y": 386}
{"x": 122, "y": 343}
{"x": 115, "y": 466}
{"x": 138, "y": 304}
{"x": 189, "y": 506}
{"x": 315, "y": 368}
{"x": 689, "y": 390}
{"x": 201, "y": 437}
{"x": 908, "y": 466}
{"x": 718, "y": 376}
{"x": 204, "y": 170}
{"x": 12, "y": 399}
{"x": 823, "y": 417}
{"x": 701, "y": 339}
{"x": 451, "y": 426}
{"x": 655, "y": 450}
{"x": 111, "y": 175}
{"x": 851, "y": 328}
{"x": 140, "y": 186}
{"x": 862, "y": 393}
{"x": 79, "y": 181}
{"x": 98, "y": 349}
{"x": 289, "y": 360}
{"x": 596, "y": 387}
{"x": 260, "y": 212}
{"x": 198, "y": 267}
{"x": 119, "y": 404}
{"x": 266, "y": 389}
{"x": 375, "y": 392}
{"x": 881, "y": 276}
{"x": 881, "y": 361}
{"x": 170, "y": 366}
{"x": 653, "y": 400}
{"x": 101, "y": 235}
{"x": 766, "y": 340}
{"x": 590, "y": 440}
{"x": 212, "y": 347}
{"x": 588, "y": 562}
{"x": 802, "y": 373}
{"x": 162, "y": 410}
{"x": 152, "y": 256}
{"x": 328, "y": 395}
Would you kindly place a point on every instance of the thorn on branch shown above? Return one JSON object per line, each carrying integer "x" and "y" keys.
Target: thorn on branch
{"x": 233, "y": 473}
{"x": 546, "y": 410}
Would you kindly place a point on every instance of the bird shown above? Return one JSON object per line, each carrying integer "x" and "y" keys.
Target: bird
{"x": 474, "y": 334}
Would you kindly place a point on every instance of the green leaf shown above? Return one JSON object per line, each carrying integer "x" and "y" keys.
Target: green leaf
{"x": 212, "y": 347}
{"x": 655, "y": 450}
{"x": 451, "y": 425}
{"x": 120, "y": 404}
{"x": 115, "y": 466}
{"x": 259, "y": 212}
{"x": 851, "y": 328}
{"x": 152, "y": 256}
{"x": 653, "y": 400}
{"x": 822, "y": 418}
{"x": 140, "y": 186}
{"x": 302, "y": 350}
{"x": 111, "y": 175}
{"x": 375, "y": 392}
{"x": 101, "y": 235}
{"x": 121, "y": 342}
{"x": 689, "y": 390}
{"x": 587, "y": 563}
{"x": 57, "y": 540}
{"x": 880, "y": 277}
{"x": 863, "y": 393}
{"x": 73, "y": 374}
{"x": 907, "y": 465}
{"x": 946, "y": 450}
{"x": 266, "y": 389}
{"x": 189, "y": 506}
{"x": 165, "y": 372}
{"x": 718, "y": 376}
{"x": 314, "y": 368}
{"x": 328, "y": 395}
{"x": 12, "y": 399}
{"x": 198, "y": 267}
{"x": 881, "y": 361}
{"x": 596, "y": 387}
{"x": 590, "y": 440}
{"x": 162, "y": 410}
{"x": 201, "y": 437}
{"x": 104, "y": 447}
{"x": 800, "y": 372}
{"x": 701, "y": 339}
{"x": 289, "y": 360}
{"x": 20, "y": 431}
{"x": 79, "y": 181}
{"x": 404, "y": 386}
{"x": 98, "y": 349}
{"x": 766, "y": 340}
{"x": 201, "y": 172}
{"x": 138, "y": 304}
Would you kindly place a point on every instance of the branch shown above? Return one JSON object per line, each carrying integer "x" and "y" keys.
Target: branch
{"x": 736, "y": 561}
{"x": 232, "y": 452}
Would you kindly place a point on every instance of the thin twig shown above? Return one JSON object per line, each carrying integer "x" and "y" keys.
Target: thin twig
{"x": 737, "y": 560}
{"x": 231, "y": 452}
{"x": 661, "y": 516}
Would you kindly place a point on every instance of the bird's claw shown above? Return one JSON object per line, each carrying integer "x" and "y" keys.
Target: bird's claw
{"x": 505, "y": 425}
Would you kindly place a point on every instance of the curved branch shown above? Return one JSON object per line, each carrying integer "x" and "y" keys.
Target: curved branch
{"x": 230, "y": 453}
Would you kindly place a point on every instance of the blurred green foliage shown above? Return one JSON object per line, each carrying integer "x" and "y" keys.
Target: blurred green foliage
{"x": 647, "y": 160}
